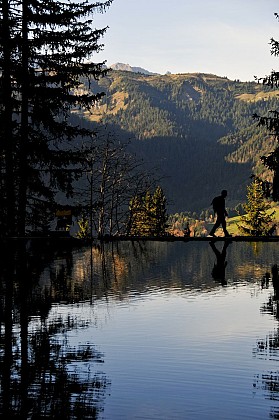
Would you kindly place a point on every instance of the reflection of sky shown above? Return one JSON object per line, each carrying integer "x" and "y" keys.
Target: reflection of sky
{"x": 176, "y": 343}
{"x": 171, "y": 354}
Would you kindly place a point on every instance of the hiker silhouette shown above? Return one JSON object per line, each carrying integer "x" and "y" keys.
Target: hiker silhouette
{"x": 219, "y": 207}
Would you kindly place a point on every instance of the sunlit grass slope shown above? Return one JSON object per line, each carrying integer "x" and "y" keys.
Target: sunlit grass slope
{"x": 232, "y": 222}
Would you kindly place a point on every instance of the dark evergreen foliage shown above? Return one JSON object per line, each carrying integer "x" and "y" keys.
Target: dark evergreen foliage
{"x": 270, "y": 121}
{"x": 45, "y": 49}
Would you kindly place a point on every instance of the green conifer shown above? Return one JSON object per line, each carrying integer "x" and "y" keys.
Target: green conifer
{"x": 148, "y": 214}
{"x": 258, "y": 220}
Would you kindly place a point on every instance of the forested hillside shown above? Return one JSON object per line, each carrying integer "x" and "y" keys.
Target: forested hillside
{"x": 197, "y": 130}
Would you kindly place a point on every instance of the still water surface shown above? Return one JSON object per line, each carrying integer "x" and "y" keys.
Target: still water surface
{"x": 154, "y": 330}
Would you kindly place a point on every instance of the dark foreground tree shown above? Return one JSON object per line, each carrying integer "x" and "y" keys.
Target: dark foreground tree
{"x": 257, "y": 220}
{"x": 46, "y": 49}
{"x": 271, "y": 122}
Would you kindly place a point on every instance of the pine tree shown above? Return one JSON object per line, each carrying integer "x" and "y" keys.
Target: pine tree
{"x": 46, "y": 50}
{"x": 140, "y": 220}
{"x": 160, "y": 212}
{"x": 8, "y": 102}
{"x": 136, "y": 214}
{"x": 148, "y": 214}
{"x": 271, "y": 122}
{"x": 256, "y": 221}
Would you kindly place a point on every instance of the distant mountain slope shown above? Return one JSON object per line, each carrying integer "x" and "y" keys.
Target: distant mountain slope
{"x": 196, "y": 129}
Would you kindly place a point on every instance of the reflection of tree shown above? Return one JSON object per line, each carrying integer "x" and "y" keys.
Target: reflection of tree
{"x": 56, "y": 385}
{"x": 41, "y": 374}
{"x": 269, "y": 347}
{"x": 138, "y": 266}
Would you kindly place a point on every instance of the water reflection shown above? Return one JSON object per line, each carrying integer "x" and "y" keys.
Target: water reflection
{"x": 268, "y": 348}
{"x": 41, "y": 374}
{"x": 168, "y": 320}
{"x": 219, "y": 268}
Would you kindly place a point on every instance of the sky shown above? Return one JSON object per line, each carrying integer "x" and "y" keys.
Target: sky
{"x": 224, "y": 37}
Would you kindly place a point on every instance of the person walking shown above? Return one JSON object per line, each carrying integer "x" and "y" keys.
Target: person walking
{"x": 219, "y": 207}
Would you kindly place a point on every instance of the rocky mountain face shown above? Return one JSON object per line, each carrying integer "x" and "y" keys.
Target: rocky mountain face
{"x": 127, "y": 67}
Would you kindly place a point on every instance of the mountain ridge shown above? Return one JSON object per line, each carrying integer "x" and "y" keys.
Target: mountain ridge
{"x": 127, "y": 67}
{"x": 196, "y": 128}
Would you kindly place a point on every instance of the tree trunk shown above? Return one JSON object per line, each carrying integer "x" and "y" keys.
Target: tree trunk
{"x": 7, "y": 147}
{"x": 23, "y": 158}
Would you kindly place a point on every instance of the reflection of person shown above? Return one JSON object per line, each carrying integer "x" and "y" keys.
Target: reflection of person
{"x": 219, "y": 269}
{"x": 187, "y": 230}
{"x": 219, "y": 207}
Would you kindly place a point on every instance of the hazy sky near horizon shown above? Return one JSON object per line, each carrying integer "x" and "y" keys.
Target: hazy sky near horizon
{"x": 223, "y": 37}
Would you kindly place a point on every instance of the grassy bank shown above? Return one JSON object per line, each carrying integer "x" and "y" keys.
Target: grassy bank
{"x": 233, "y": 222}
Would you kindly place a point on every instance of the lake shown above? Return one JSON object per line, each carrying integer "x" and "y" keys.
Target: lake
{"x": 140, "y": 330}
